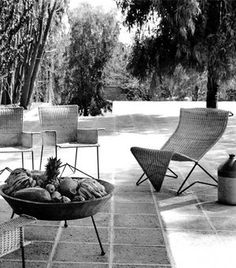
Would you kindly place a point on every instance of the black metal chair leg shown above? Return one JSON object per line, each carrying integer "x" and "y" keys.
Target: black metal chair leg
{"x": 175, "y": 176}
{"x": 41, "y": 158}
{"x": 32, "y": 156}
{"x": 65, "y": 224}
{"x": 22, "y": 247}
{"x": 98, "y": 171}
{"x": 201, "y": 182}
{"x": 181, "y": 186}
{"x": 22, "y": 159}
{"x": 180, "y": 190}
{"x": 139, "y": 181}
{"x": 76, "y": 153}
{"x": 208, "y": 173}
{"x": 100, "y": 243}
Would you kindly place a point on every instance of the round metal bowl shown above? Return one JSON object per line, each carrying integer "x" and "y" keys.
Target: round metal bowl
{"x": 59, "y": 211}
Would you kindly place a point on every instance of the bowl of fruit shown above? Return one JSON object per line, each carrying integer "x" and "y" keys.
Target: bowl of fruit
{"x": 47, "y": 196}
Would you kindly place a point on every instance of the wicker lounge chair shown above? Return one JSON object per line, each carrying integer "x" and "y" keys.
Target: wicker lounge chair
{"x": 12, "y": 137}
{"x": 59, "y": 125}
{"x": 197, "y": 131}
{"x": 12, "y": 236}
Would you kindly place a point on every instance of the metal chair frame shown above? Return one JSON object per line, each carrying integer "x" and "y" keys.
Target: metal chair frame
{"x": 59, "y": 126}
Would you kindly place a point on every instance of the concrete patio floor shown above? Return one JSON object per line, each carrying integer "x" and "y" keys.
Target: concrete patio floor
{"x": 139, "y": 227}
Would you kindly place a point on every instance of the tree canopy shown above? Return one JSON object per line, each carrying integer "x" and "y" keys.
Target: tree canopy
{"x": 198, "y": 34}
{"x": 93, "y": 37}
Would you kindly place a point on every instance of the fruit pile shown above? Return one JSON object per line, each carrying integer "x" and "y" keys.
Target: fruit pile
{"x": 49, "y": 187}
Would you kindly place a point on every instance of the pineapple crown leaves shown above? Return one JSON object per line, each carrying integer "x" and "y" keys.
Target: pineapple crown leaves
{"x": 52, "y": 167}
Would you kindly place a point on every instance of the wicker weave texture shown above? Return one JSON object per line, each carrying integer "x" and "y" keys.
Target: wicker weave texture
{"x": 197, "y": 132}
{"x": 11, "y": 234}
{"x": 10, "y": 241}
{"x": 63, "y": 119}
{"x": 154, "y": 163}
{"x": 11, "y": 126}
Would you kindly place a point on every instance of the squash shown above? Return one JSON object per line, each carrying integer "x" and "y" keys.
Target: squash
{"x": 68, "y": 186}
{"x": 37, "y": 194}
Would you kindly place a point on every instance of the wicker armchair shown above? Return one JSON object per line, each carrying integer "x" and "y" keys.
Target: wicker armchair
{"x": 12, "y": 235}
{"x": 12, "y": 137}
{"x": 197, "y": 131}
{"x": 59, "y": 125}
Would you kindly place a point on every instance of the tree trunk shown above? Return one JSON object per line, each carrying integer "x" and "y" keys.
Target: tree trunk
{"x": 35, "y": 58}
{"x": 212, "y": 89}
{"x": 29, "y": 68}
{"x": 41, "y": 51}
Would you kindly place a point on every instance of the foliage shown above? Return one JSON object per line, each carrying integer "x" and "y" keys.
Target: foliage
{"x": 115, "y": 73}
{"x": 115, "y": 69}
{"x": 198, "y": 34}
{"x": 228, "y": 91}
{"x": 26, "y": 25}
{"x": 94, "y": 34}
{"x": 182, "y": 84}
{"x": 14, "y": 19}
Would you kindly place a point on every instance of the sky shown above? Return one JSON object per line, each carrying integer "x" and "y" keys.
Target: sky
{"x": 107, "y": 5}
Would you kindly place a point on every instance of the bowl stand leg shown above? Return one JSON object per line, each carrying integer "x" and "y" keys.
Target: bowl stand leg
{"x": 99, "y": 241}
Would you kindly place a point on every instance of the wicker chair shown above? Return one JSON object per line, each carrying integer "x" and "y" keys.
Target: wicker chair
{"x": 12, "y": 235}
{"x": 197, "y": 131}
{"x": 59, "y": 125}
{"x": 12, "y": 137}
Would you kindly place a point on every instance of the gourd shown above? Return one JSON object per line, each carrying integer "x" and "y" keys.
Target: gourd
{"x": 33, "y": 194}
{"x": 68, "y": 186}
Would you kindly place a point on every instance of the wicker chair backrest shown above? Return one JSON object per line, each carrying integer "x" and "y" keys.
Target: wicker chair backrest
{"x": 197, "y": 131}
{"x": 11, "y": 126}
{"x": 63, "y": 119}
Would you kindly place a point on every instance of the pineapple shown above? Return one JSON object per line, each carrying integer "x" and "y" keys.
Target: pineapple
{"x": 52, "y": 171}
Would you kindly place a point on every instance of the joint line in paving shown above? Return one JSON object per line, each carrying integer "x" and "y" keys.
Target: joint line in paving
{"x": 171, "y": 259}
{"x": 56, "y": 241}
{"x": 111, "y": 229}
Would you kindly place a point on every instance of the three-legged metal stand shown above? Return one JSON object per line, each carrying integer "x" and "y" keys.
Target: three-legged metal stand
{"x": 73, "y": 169}
{"x": 66, "y": 225}
{"x": 6, "y": 168}
{"x": 99, "y": 241}
{"x": 97, "y": 234}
